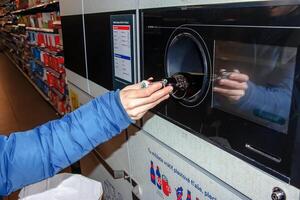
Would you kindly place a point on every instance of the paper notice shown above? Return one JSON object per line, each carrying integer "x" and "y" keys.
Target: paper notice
{"x": 122, "y": 52}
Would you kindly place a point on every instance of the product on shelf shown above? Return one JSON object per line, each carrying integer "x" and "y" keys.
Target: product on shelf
{"x": 41, "y": 20}
{"x": 60, "y": 104}
{"x": 58, "y": 83}
{"x": 51, "y": 41}
{"x": 23, "y": 4}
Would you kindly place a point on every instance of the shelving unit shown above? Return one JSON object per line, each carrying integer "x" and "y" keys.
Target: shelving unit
{"x": 46, "y": 30}
{"x": 27, "y": 77}
{"x": 43, "y": 7}
{"x": 32, "y": 41}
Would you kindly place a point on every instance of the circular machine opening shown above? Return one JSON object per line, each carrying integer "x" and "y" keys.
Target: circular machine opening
{"x": 187, "y": 53}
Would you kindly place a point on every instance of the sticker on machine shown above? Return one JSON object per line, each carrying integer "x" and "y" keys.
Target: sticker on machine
{"x": 122, "y": 52}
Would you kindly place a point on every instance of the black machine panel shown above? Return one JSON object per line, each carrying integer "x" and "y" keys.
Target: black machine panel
{"x": 74, "y": 43}
{"x": 244, "y": 62}
{"x": 98, "y": 45}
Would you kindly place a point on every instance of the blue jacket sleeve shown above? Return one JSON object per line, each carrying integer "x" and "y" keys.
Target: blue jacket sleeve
{"x": 30, "y": 156}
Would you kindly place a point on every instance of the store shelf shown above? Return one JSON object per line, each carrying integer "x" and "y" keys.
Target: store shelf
{"x": 57, "y": 23}
{"x": 45, "y": 49}
{"x": 18, "y": 35}
{"x": 3, "y": 15}
{"x": 39, "y": 76}
{"x": 44, "y": 7}
{"x": 61, "y": 96}
{"x": 52, "y": 71}
{"x": 38, "y": 62}
{"x": 45, "y": 30}
{"x": 36, "y": 87}
{"x": 6, "y": 3}
{"x": 27, "y": 77}
{"x": 49, "y": 69}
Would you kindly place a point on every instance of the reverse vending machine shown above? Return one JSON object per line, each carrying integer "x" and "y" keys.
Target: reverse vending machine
{"x": 231, "y": 127}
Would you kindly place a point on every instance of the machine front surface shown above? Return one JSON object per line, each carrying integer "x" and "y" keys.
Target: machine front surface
{"x": 209, "y": 45}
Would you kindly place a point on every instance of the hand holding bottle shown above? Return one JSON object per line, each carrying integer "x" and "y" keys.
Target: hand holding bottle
{"x": 137, "y": 101}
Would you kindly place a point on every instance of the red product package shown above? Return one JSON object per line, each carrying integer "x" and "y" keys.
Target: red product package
{"x": 41, "y": 40}
{"x": 50, "y": 79}
{"x": 55, "y": 64}
{"x": 50, "y": 63}
{"x": 61, "y": 61}
{"x": 47, "y": 40}
{"x": 57, "y": 40}
{"x": 46, "y": 59}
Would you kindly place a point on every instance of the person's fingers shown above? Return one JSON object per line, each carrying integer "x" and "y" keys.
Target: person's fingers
{"x": 144, "y": 108}
{"x": 139, "y": 116}
{"x": 146, "y": 100}
{"x": 238, "y": 77}
{"x": 150, "y": 79}
{"x": 132, "y": 87}
{"x": 234, "y": 98}
{"x": 228, "y": 92}
{"x": 145, "y": 92}
{"x": 230, "y": 84}
{"x": 137, "y": 85}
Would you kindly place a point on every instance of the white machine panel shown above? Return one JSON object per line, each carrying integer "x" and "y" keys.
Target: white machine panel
{"x": 249, "y": 180}
{"x": 96, "y": 6}
{"x": 77, "y": 80}
{"x": 77, "y": 96}
{"x": 95, "y": 89}
{"x": 70, "y": 7}
{"x": 143, "y": 4}
{"x": 162, "y": 174}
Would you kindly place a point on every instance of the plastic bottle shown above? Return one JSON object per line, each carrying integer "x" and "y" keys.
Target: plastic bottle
{"x": 158, "y": 178}
{"x": 152, "y": 174}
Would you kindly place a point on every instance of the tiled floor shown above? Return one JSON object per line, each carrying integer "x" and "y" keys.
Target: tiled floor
{"x": 21, "y": 106}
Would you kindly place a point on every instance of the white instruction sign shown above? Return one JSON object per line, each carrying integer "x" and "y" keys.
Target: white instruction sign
{"x": 122, "y": 52}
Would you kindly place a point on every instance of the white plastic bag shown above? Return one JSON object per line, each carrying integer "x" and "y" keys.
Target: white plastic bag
{"x": 63, "y": 187}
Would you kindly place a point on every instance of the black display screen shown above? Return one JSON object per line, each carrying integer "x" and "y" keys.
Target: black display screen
{"x": 255, "y": 82}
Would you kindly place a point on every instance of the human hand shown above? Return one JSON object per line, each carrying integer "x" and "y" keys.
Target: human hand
{"x": 233, "y": 87}
{"x": 137, "y": 101}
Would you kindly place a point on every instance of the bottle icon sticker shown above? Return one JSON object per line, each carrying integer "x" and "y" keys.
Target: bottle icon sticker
{"x": 165, "y": 186}
{"x": 189, "y": 195}
{"x": 179, "y": 193}
{"x": 158, "y": 178}
{"x": 152, "y": 173}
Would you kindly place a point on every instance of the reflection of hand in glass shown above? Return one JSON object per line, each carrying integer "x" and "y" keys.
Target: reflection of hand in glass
{"x": 233, "y": 86}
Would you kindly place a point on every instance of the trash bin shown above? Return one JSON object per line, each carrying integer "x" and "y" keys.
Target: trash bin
{"x": 63, "y": 187}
